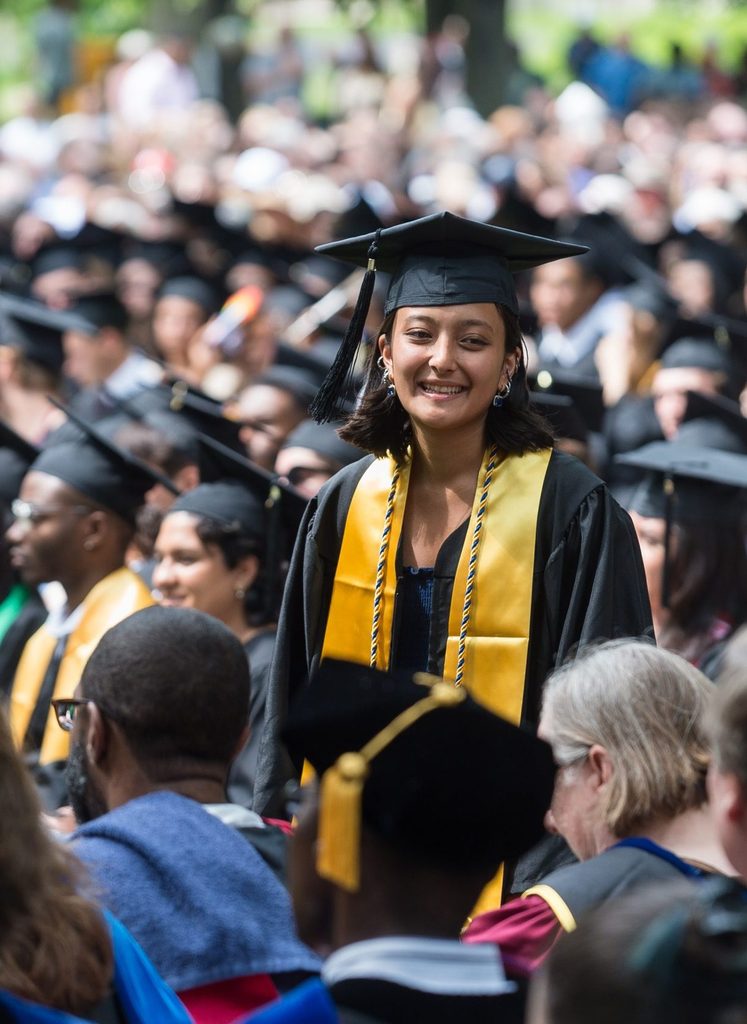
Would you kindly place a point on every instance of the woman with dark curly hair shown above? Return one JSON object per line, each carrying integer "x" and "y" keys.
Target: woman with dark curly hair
{"x": 210, "y": 555}
{"x": 464, "y": 545}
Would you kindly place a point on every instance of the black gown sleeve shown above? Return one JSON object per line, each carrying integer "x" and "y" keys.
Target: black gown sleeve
{"x": 301, "y": 626}
{"x": 589, "y": 583}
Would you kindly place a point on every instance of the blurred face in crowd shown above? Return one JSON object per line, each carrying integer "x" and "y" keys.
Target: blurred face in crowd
{"x": 268, "y": 414}
{"x": 561, "y": 293}
{"x": 47, "y": 543}
{"x": 650, "y": 532}
{"x": 691, "y": 283}
{"x": 89, "y": 360}
{"x": 59, "y": 288}
{"x": 176, "y": 320}
{"x": 304, "y": 469}
{"x": 137, "y": 282}
{"x": 670, "y": 387}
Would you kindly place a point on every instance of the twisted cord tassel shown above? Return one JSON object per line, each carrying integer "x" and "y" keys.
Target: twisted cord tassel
{"x": 472, "y": 565}
{"x": 381, "y": 568}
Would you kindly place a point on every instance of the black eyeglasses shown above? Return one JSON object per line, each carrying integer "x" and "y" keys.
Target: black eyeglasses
{"x": 30, "y": 514}
{"x": 65, "y": 709}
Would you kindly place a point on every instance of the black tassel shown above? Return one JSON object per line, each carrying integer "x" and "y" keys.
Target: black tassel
{"x": 329, "y": 403}
{"x": 668, "y": 515}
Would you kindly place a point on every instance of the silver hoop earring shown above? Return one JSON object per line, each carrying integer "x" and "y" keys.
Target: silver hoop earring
{"x": 501, "y": 395}
{"x": 381, "y": 364}
{"x": 391, "y": 391}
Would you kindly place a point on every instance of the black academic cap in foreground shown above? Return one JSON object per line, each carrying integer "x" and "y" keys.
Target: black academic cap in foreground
{"x": 106, "y": 474}
{"x": 396, "y": 774}
{"x": 440, "y": 260}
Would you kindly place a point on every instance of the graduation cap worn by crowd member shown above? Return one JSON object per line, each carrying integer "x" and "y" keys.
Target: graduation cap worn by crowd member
{"x": 713, "y": 421}
{"x": 106, "y": 474}
{"x": 188, "y": 407}
{"x": 385, "y": 747}
{"x": 33, "y": 329}
{"x": 16, "y": 455}
{"x": 272, "y": 510}
{"x": 193, "y": 288}
{"x": 687, "y": 484}
{"x": 441, "y": 260}
{"x": 562, "y": 413}
{"x": 585, "y": 394}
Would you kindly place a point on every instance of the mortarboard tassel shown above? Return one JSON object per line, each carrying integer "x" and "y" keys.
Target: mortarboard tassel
{"x": 341, "y": 789}
{"x": 329, "y": 403}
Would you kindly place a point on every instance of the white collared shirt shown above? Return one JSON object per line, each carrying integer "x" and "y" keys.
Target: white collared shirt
{"x": 439, "y": 966}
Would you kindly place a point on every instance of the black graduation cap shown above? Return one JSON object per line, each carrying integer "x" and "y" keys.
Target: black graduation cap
{"x": 16, "y": 455}
{"x": 440, "y": 260}
{"x": 91, "y": 313}
{"x": 107, "y": 474}
{"x": 687, "y": 484}
{"x": 296, "y": 380}
{"x": 229, "y": 502}
{"x": 280, "y": 505}
{"x": 197, "y": 412}
{"x": 195, "y": 289}
{"x": 57, "y": 256}
{"x": 700, "y": 353}
{"x": 399, "y": 776}
{"x": 217, "y": 462}
{"x": 32, "y": 328}
{"x": 713, "y": 421}
{"x": 323, "y": 439}
{"x": 585, "y": 393}
{"x": 562, "y": 414}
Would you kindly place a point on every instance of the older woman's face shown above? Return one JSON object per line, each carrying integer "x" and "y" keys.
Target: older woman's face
{"x": 576, "y": 812}
{"x": 447, "y": 362}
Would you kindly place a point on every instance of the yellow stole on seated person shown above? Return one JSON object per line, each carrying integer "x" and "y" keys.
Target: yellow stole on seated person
{"x": 497, "y": 630}
{"x": 112, "y": 599}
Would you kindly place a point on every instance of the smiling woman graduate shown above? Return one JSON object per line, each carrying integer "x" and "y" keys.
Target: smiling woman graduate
{"x": 464, "y": 545}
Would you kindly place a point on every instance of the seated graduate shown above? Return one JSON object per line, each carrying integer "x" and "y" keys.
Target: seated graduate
{"x": 674, "y": 954}
{"x": 159, "y": 713}
{"x": 21, "y": 607}
{"x": 422, "y": 793}
{"x": 58, "y": 950}
{"x": 72, "y": 523}
{"x": 626, "y": 722}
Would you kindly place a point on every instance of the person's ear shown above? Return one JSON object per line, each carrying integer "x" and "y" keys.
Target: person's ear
{"x": 512, "y": 361}
{"x": 385, "y": 350}
{"x": 600, "y": 765}
{"x": 95, "y": 525}
{"x": 97, "y": 735}
{"x": 727, "y": 797}
{"x": 245, "y": 572}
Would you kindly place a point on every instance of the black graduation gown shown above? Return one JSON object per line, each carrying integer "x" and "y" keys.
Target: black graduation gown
{"x": 588, "y": 585}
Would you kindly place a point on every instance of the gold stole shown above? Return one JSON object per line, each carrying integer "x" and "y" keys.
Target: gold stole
{"x": 112, "y": 599}
{"x": 498, "y": 633}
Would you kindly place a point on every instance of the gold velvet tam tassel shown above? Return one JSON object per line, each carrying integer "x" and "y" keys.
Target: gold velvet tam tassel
{"x": 341, "y": 790}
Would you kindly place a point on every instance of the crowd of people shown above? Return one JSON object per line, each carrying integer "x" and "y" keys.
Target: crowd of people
{"x": 373, "y": 576}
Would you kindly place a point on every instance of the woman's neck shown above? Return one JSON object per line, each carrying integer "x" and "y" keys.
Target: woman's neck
{"x": 440, "y": 458}
{"x": 692, "y": 836}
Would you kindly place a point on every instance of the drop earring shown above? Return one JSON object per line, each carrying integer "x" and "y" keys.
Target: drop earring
{"x": 502, "y": 394}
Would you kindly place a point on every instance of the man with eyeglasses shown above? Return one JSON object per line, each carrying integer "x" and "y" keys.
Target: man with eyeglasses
{"x": 72, "y": 522}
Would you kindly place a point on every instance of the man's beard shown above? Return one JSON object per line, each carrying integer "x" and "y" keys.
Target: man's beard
{"x": 85, "y": 799}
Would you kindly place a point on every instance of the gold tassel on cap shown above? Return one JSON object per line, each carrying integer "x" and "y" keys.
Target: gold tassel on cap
{"x": 341, "y": 790}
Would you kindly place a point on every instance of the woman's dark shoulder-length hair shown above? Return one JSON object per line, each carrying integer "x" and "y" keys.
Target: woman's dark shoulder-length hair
{"x": 380, "y": 425}
{"x": 235, "y": 544}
